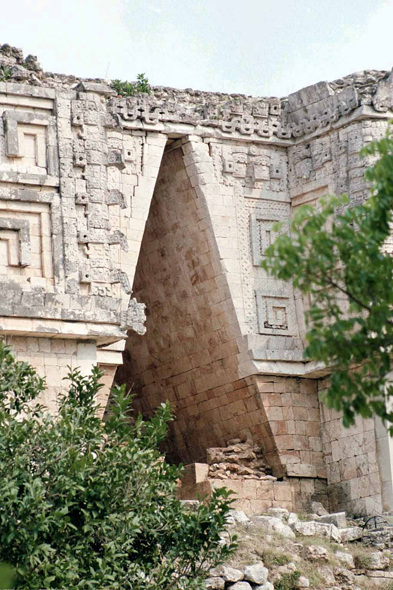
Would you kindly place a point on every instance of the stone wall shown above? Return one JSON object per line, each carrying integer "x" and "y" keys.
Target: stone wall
{"x": 352, "y": 465}
{"x": 254, "y": 496}
{"x": 189, "y": 354}
{"x": 51, "y": 358}
{"x": 224, "y": 342}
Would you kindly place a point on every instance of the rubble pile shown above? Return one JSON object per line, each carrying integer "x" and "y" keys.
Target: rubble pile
{"x": 316, "y": 551}
{"x": 240, "y": 459}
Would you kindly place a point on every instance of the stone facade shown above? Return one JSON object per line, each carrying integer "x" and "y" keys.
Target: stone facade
{"x": 140, "y": 221}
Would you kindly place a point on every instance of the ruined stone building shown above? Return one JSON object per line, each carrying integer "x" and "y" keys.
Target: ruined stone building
{"x": 138, "y": 224}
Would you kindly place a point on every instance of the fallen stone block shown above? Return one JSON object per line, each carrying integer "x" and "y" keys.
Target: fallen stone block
{"x": 215, "y": 583}
{"x": 292, "y": 519}
{"x": 339, "y": 519}
{"x": 256, "y": 573}
{"x": 279, "y": 512}
{"x": 317, "y": 553}
{"x": 344, "y": 576}
{"x": 350, "y": 534}
{"x": 321, "y": 529}
{"x": 345, "y": 559}
{"x": 318, "y": 509}
{"x": 327, "y": 575}
{"x": 228, "y": 574}
{"x": 378, "y": 561}
{"x": 239, "y": 516}
{"x": 272, "y": 524}
{"x": 374, "y": 575}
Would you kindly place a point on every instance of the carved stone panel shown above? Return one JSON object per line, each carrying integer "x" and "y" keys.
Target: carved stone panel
{"x": 30, "y": 142}
{"x": 263, "y": 234}
{"x": 276, "y": 311}
{"x": 28, "y": 230}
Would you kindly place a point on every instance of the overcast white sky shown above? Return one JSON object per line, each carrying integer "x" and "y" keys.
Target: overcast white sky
{"x": 259, "y": 47}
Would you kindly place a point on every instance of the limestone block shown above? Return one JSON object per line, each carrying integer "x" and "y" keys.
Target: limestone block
{"x": 241, "y": 586}
{"x": 273, "y": 524}
{"x": 195, "y": 473}
{"x": 350, "y": 534}
{"x": 301, "y": 470}
{"x": 282, "y": 513}
{"x": 378, "y": 561}
{"x": 338, "y": 519}
{"x": 256, "y": 573}
{"x": 239, "y": 516}
{"x": 317, "y": 553}
{"x": 282, "y": 492}
{"x": 214, "y": 583}
{"x": 313, "y": 528}
{"x": 228, "y": 574}
{"x": 346, "y": 559}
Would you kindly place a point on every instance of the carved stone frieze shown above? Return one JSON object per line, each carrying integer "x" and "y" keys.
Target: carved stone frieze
{"x": 303, "y": 113}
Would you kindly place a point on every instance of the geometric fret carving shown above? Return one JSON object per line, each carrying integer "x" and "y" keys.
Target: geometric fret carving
{"x": 262, "y": 234}
{"x": 26, "y": 229}
{"x": 31, "y": 137}
{"x": 20, "y": 256}
{"x": 276, "y": 311}
{"x": 11, "y": 120}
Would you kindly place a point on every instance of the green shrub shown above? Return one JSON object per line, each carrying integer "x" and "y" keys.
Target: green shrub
{"x": 5, "y": 73}
{"x": 92, "y": 505}
{"x": 125, "y": 88}
{"x": 287, "y": 581}
{"x": 272, "y": 558}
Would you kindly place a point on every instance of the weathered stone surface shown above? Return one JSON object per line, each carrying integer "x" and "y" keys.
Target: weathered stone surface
{"x": 327, "y": 576}
{"x": 215, "y": 583}
{"x": 338, "y": 519}
{"x": 187, "y": 185}
{"x": 239, "y": 516}
{"x": 316, "y": 553}
{"x": 378, "y": 561}
{"x": 345, "y": 559}
{"x": 236, "y": 461}
{"x": 273, "y": 524}
{"x": 350, "y": 534}
{"x": 344, "y": 576}
{"x": 241, "y": 586}
{"x": 282, "y": 513}
{"x": 256, "y": 573}
{"x": 292, "y": 519}
{"x": 228, "y": 574}
{"x": 313, "y": 528}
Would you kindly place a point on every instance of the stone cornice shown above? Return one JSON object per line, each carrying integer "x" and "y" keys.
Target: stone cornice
{"x": 313, "y": 110}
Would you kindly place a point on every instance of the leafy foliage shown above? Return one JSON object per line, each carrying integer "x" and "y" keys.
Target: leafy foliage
{"x": 91, "y": 504}
{"x": 335, "y": 257}
{"x": 125, "y": 88}
{"x": 5, "y": 73}
{"x": 7, "y": 576}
